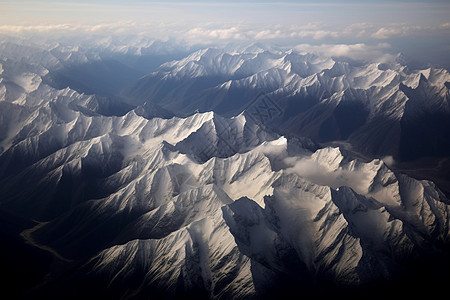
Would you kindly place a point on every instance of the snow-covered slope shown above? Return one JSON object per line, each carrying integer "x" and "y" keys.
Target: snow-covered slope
{"x": 374, "y": 105}
{"x": 206, "y": 205}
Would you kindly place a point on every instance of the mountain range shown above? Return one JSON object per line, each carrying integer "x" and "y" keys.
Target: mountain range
{"x": 380, "y": 108}
{"x": 230, "y": 173}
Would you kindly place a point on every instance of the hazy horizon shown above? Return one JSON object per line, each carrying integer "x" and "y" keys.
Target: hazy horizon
{"x": 421, "y": 30}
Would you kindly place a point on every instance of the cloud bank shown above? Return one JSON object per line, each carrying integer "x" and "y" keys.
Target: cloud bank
{"x": 348, "y": 27}
{"x": 212, "y": 32}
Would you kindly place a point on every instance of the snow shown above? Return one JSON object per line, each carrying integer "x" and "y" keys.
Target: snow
{"x": 28, "y": 81}
{"x": 156, "y": 210}
{"x": 289, "y": 73}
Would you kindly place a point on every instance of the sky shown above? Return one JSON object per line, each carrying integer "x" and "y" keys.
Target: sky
{"x": 420, "y": 29}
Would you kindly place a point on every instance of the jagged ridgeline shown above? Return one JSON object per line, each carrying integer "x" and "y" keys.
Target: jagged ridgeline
{"x": 381, "y": 108}
{"x": 194, "y": 194}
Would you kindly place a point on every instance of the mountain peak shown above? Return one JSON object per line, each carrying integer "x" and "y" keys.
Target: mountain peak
{"x": 225, "y": 198}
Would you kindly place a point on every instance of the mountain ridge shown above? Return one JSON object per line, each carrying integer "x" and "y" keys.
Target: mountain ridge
{"x": 147, "y": 202}
{"x": 309, "y": 91}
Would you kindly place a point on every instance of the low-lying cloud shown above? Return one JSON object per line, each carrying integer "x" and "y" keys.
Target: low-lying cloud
{"x": 316, "y": 172}
{"x": 360, "y": 51}
{"x": 210, "y": 32}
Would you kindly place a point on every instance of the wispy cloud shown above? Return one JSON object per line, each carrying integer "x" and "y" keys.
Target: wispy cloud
{"x": 66, "y": 27}
{"x": 210, "y": 32}
{"x": 199, "y": 33}
{"x": 395, "y": 30}
{"x": 377, "y": 52}
{"x": 445, "y": 25}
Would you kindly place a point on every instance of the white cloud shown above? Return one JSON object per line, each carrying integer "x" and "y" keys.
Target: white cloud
{"x": 34, "y": 28}
{"x": 356, "y": 51}
{"x": 384, "y": 33}
{"x": 316, "y": 172}
{"x": 111, "y": 27}
{"x": 445, "y": 25}
{"x": 395, "y": 30}
{"x": 210, "y": 33}
{"x": 314, "y": 34}
{"x": 219, "y": 33}
{"x": 335, "y": 39}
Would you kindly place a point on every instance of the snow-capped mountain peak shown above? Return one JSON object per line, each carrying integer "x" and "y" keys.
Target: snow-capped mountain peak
{"x": 205, "y": 185}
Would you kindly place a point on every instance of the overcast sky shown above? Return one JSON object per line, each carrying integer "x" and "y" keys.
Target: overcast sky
{"x": 260, "y": 11}
{"x": 417, "y": 28}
